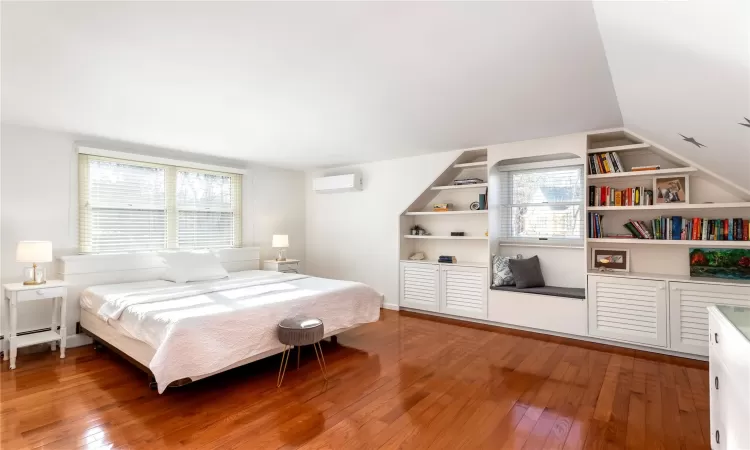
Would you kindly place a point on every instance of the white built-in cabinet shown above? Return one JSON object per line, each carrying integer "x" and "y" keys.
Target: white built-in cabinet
{"x": 463, "y": 291}
{"x": 420, "y": 286}
{"x": 689, "y": 313}
{"x": 627, "y": 309}
{"x": 445, "y": 288}
{"x": 666, "y": 313}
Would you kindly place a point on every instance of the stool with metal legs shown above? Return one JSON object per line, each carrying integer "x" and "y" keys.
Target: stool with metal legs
{"x": 296, "y": 332}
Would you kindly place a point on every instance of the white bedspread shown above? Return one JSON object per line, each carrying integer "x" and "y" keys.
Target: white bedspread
{"x": 200, "y": 328}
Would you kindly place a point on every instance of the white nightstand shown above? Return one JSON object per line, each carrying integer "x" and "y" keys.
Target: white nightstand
{"x": 16, "y": 293}
{"x": 288, "y": 266}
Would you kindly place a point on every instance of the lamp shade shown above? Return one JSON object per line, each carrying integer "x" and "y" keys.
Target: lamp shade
{"x": 280, "y": 241}
{"x": 34, "y": 251}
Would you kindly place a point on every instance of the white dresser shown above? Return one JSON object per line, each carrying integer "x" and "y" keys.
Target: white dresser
{"x": 729, "y": 376}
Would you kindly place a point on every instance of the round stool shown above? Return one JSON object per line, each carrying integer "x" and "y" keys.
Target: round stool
{"x": 296, "y": 332}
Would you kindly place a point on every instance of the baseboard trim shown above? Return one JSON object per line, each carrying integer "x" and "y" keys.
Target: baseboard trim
{"x": 586, "y": 341}
{"x": 391, "y": 306}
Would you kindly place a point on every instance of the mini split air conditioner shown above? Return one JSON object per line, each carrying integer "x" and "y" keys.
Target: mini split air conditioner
{"x": 339, "y": 183}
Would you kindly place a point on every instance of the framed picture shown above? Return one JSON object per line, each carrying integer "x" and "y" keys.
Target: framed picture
{"x": 608, "y": 259}
{"x": 730, "y": 263}
{"x": 671, "y": 189}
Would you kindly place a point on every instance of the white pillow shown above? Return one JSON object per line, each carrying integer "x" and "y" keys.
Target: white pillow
{"x": 192, "y": 266}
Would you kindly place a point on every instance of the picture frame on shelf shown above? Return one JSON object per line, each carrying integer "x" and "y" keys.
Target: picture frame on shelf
{"x": 672, "y": 189}
{"x": 616, "y": 260}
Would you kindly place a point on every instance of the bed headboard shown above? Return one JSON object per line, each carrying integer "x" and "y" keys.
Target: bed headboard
{"x": 82, "y": 271}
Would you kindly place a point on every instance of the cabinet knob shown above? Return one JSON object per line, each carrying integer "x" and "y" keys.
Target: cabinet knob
{"x": 716, "y": 382}
{"x": 717, "y": 436}
{"x": 716, "y": 337}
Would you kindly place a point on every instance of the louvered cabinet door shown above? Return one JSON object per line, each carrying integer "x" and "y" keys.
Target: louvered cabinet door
{"x": 688, "y": 313}
{"x": 463, "y": 291}
{"x": 628, "y": 309}
{"x": 420, "y": 286}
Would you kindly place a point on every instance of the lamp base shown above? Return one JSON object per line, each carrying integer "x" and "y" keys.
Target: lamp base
{"x": 33, "y": 283}
{"x": 282, "y": 255}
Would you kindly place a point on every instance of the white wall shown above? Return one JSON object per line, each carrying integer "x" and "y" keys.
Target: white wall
{"x": 355, "y": 235}
{"x": 39, "y": 191}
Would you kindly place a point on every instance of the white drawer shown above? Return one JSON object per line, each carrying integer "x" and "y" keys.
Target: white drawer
{"x": 39, "y": 293}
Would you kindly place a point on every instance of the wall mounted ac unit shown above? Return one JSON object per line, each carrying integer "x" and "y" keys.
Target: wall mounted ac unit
{"x": 339, "y": 183}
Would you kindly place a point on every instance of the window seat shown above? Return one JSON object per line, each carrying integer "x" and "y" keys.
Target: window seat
{"x": 555, "y": 291}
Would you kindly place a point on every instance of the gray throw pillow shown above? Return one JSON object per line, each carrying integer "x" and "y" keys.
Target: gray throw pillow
{"x": 527, "y": 272}
{"x": 501, "y": 274}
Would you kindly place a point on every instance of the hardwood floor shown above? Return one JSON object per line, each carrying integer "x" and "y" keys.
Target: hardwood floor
{"x": 403, "y": 382}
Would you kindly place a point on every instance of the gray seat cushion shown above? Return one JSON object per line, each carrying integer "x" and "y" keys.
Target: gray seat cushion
{"x": 555, "y": 291}
{"x": 300, "y": 330}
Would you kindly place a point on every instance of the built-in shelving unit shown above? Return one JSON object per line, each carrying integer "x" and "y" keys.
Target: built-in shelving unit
{"x": 438, "y": 225}
{"x": 654, "y": 304}
{"x": 707, "y": 196}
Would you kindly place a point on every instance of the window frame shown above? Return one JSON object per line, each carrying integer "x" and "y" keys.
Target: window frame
{"x": 505, "y": 198}
{"x": 171, "y": 168}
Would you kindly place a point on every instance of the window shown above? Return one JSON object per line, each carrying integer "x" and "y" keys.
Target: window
{"x": 542, "y": 205}
{"x": 130, "y": 206}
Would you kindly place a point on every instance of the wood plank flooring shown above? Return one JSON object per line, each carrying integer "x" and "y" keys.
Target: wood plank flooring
{"x": 407, "y": 381}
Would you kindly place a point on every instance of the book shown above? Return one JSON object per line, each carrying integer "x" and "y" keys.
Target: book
{"x": 644, "y": 168}
{"x": 617, "y": 161}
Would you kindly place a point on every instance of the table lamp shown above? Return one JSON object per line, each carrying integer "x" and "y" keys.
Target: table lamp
{"x": 280, "y": 241}
{"x": 34, "y": 252}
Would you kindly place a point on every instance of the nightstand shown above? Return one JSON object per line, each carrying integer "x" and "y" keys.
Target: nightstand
{"x": 288, "y": 266}
{"x": 16, "y": 293}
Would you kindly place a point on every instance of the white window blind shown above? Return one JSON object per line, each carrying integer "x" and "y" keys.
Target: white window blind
{"x": 130, "y": 206}
{"x": 543, "y": 206}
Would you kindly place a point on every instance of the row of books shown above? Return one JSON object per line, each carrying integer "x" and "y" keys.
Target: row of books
{"x": 595, "y": 225}
{"x": 678, "y": 228}
{"x": 607, "y": 162}
{"x": 447, "y": 259}
{"x": 632, "y": 196}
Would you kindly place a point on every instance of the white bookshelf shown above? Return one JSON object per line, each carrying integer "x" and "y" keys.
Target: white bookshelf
{"x": 714, "y": 197}
{"x": 473, "y": 246}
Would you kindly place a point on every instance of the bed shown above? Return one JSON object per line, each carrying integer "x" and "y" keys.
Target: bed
{"x": 186, "y": 332}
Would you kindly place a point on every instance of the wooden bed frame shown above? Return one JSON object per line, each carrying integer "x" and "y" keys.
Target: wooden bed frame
{"x": 82, "y": 271}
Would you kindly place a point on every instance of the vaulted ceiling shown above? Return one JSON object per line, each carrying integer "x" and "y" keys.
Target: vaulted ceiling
{"x": 313, "y": 84}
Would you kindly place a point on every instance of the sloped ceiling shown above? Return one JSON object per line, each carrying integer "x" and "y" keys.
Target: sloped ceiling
{"x": 307, "y": 84}
{"x": 683, "y": 67}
